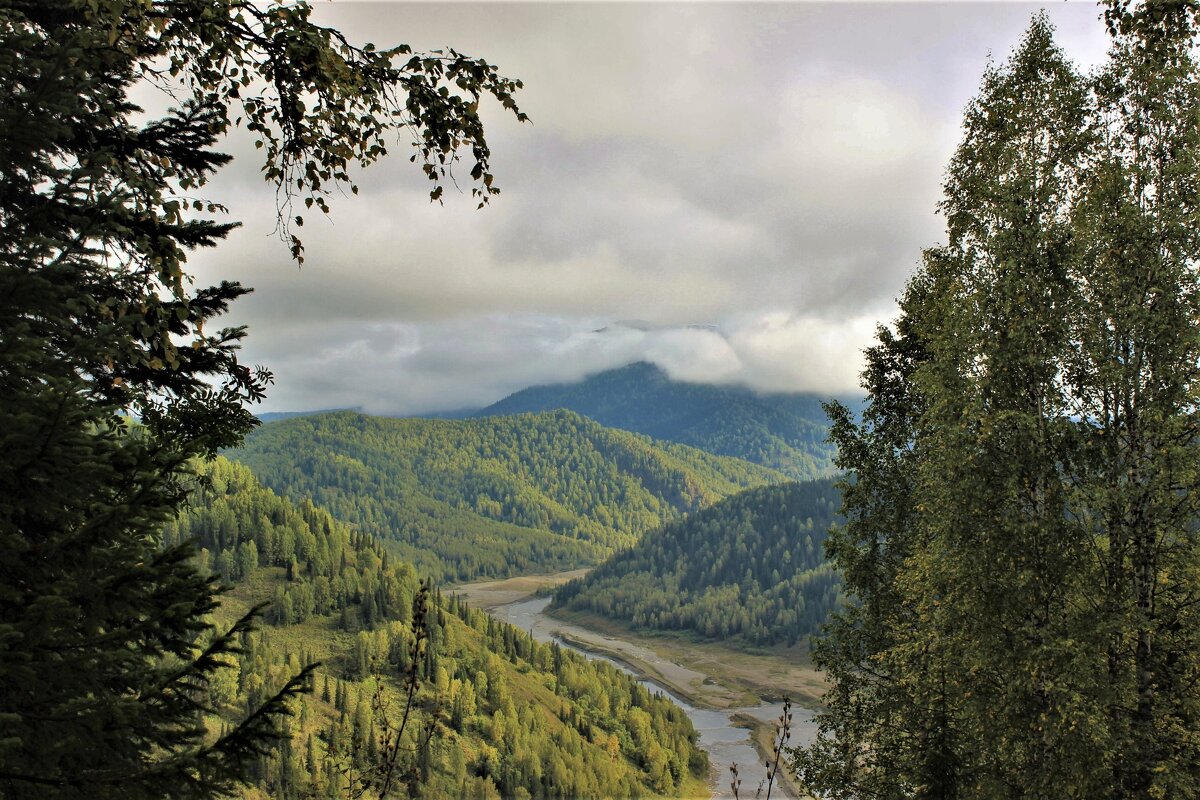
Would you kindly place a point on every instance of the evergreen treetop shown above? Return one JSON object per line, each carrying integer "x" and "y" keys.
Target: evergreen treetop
{"x": 99, "y": 323}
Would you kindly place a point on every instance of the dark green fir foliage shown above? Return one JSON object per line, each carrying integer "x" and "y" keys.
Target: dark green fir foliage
{"x": 106, "y": 651}
{"x": 106, "y": 656}
{"x": 751, "y": 567}
{"x": 492, "y": 713}
{"x": 495, "y": 496}
{"x": 787, "y": 432}
{"x": 1020, "y": 546}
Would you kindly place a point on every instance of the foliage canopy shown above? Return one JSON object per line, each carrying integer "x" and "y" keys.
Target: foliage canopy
{"x": 1021, "y": 540}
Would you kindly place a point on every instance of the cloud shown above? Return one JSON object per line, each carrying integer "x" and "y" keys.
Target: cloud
{"x": 784, "y": 352}
{"x": 411, "y": 368}
{"x": 772, "y": 169}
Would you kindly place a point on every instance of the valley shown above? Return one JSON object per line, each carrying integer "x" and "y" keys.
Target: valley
{"x": 755, "y": 402}
{"x": 736, "y": 673}
{"x": 497, "y": 713}
{"x": 705, "y": 673}
{"x": 492, "y": 497}
{"x": 722, "y": 689}
{"x": 696, "y": 577}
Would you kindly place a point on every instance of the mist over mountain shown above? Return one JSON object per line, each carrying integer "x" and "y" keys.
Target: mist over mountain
{"x": 783, "y": 431}
{"x": 275, "y": 416}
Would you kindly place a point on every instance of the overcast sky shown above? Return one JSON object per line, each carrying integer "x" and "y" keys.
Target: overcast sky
{"x": 736, "y": 192}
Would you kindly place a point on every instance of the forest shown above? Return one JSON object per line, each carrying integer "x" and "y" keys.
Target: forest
{"x": 751, "y": 567}
{"x": 496, "y": 496}
{"x": 496, "y": 714}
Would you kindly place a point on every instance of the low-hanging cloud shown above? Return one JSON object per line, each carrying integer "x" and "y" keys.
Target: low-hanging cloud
{"x": 770, "y": 170}
{"x": 413, "y": 368}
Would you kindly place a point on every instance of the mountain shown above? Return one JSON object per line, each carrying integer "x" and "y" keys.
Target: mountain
{"x": 495, "y": 713}
{"x": 274, "y": 416}
{"x": 493, "y": 496}
{"x": 786, "y": 432}
{"x": 751, "y": 567}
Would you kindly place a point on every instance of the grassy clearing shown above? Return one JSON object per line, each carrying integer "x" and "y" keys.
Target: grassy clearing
{"x": 489, "y": 594}
{"x": 694, "y": 788}
{"x": 681, "y": 681}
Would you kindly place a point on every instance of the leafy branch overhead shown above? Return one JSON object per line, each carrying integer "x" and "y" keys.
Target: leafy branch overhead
{"x": 101, "y": 628}
{"x": 317, "y": 103}
{"x": 92, "y": 182}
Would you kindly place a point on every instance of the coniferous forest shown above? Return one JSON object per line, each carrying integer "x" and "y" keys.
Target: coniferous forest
{"x": 495, "y": 714}
{"x": 751, "y": 567}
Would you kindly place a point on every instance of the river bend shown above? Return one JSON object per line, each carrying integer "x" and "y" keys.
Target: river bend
{"x": 725, "y": 743}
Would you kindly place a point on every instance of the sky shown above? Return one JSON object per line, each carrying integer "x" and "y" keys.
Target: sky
{"x": 736, "y": 192}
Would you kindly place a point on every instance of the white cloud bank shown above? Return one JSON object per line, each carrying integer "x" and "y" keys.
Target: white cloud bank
{"x": 770, "y": 169}
{"x": 411, "y": 368}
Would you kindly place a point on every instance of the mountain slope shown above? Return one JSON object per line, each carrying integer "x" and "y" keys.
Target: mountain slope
{"x": 275, "y": 416}
{"x": 495, "y": 496}
{"x": 786, "y": 432}
{"x": 496, "y": 715}
{"x": 750, "y": 567}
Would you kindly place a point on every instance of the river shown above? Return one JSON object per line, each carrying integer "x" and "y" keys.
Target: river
{"x": 724, "y": 742}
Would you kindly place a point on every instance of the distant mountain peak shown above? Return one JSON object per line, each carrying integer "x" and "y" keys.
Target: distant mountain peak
{"x": 641, "y": 368}
{"x": 784, "y": 431}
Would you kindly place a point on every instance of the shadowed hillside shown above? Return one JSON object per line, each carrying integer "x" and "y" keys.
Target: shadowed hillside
{"x": 782, "y": 431}
{"x": 751, "y": 567}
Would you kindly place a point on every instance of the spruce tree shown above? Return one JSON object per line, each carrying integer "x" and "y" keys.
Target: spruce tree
{"x": 113, "y": 377}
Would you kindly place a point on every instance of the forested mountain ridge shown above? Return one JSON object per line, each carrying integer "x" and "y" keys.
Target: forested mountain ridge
{"x": 786, "y": 432}
{"x": 494, "y": 496}
{"x": 275, "y": 416}
{"x": 750, "y": 567}
{"x": 496, "y": 714}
